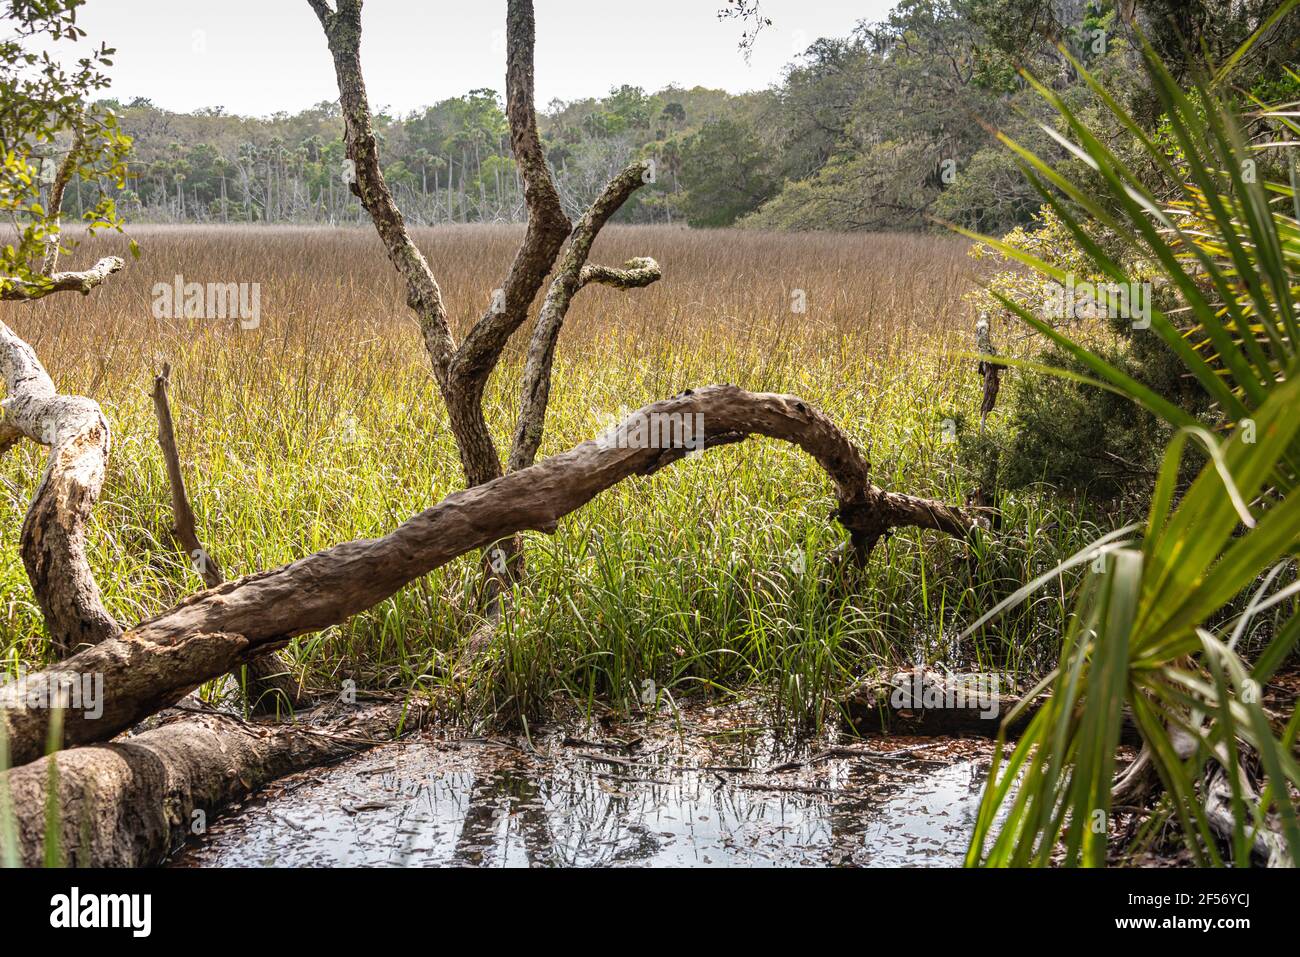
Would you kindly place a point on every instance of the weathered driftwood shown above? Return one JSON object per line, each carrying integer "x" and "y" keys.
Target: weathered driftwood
{"x": 267, "y": 680}
{"x": 53, "y": 539}
{"x": 162, "y": 659}
{"x": 928, "y": 702}
{"x": 133, "y": 802}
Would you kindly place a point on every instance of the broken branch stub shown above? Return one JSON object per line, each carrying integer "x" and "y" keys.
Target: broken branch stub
{"x": 990, "y": 371}
{"x": 270, "y": 681}
{"x": 162, "y": 659}
{"x": 82, "y": 282}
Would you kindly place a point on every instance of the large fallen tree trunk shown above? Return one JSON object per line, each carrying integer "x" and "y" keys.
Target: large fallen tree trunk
{"x": 161, "y": 660}
{"x": 133, "y": 802}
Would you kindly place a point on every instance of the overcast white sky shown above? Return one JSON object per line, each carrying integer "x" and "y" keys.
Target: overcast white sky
{"x": 260, "y": 56}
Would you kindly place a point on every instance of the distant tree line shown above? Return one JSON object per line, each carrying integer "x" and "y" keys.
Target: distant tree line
{"x": 887, "y": 128}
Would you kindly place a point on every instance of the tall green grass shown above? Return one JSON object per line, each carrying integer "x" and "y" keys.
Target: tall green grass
{"x": 322, "y": 425}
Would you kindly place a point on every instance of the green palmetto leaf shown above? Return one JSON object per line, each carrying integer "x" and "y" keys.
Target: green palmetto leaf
{"x": 1225, "y": 69}
{"x": 1138, "y": 639}
{"x": 1141, "y": 207}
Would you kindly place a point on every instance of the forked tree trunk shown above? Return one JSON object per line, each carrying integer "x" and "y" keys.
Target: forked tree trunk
{"x": 462, "y": 370}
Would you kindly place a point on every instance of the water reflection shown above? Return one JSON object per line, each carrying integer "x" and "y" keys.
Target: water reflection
{"x": 701, "y": 798}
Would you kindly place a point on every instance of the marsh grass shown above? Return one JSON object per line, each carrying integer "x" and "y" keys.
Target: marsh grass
{"x": 323, "y": 425}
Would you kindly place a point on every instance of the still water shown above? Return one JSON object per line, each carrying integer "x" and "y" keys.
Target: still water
{"x": 712, "y": 788}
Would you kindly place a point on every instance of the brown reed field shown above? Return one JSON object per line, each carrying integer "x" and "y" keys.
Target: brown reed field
{"x": 323, "y": 424}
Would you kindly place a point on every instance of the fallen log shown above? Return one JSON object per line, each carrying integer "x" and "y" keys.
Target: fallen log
{"x": 930, "y": 703}
{"x": 162, "y": 659}
{"x": 926, "y": 702}
{"x": 133, "y": 802}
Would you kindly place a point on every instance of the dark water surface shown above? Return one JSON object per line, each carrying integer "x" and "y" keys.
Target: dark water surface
{"x": 708, "y": 790}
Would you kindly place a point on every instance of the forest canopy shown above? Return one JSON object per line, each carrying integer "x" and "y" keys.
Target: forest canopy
{"x": 886, "y": 128}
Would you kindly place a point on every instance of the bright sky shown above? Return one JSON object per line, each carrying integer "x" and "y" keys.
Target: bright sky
{"x": 257, "y": 57}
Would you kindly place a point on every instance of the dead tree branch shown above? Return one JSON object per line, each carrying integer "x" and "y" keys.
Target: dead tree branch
{"x": 162, "y": 659}
{"x": 270, "y": 682}
{"x": 634, "y": 274}
{"x": 183, "y": 525}
{"x": 82, "y": 282}
{"x": 54, "y": 532}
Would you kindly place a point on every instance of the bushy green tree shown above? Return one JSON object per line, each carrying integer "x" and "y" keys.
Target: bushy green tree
{"x": 51, "y": 134}
{"x": 726, "y": 173}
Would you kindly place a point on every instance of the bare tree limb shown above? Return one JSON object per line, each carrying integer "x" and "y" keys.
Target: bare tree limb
{"x": 462, "y": 371}
{"x": 54, "y": 532}
{"x": 82, "y": 282}
{"x": 634, "y": 274}
{"x": 162, "y": 659}
{"x": 183, "y": 525}
{"x": 574, "y": 272}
